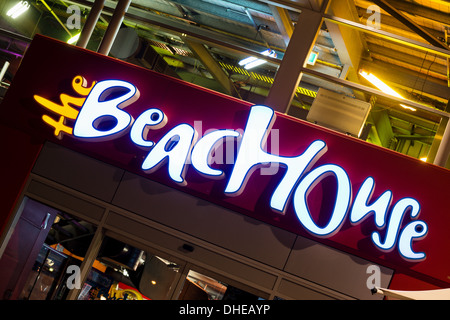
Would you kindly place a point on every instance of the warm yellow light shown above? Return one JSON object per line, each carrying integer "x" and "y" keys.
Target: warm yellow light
{"x": 153, "y": 282}
{"x": 74, "y": 39}
{"x": 424, "y": 159}
{"x": 383, "y": 87}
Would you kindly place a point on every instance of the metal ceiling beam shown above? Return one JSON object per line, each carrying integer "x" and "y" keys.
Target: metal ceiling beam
{"x": 283, "y": 22}
{"x": 348, "y": 43}
{"x": 429, "y": 67}
{"x": 298, "y": 5}
{"x": 383, "y": 127}
{"x": 389, "y": 36}
{"x": 137, "y": 15}
{"x": 391, "y": 24}
{"x": 375, "y": 92}
{"x": 216, "y": 10}
{"x": 400, "y": 77}
{"x": 14, "y": 35}
{"x": 239, "y": 19}
{"x": 56, "y": 17}
{"x": 410, "y": 23}
{"x": 290, "y": 72}
{"x": 414, "y": 9}
{"x": 213, "y": 67}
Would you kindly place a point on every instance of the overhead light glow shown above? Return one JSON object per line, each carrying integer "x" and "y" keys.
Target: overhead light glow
{"x": 74, "y": 39}
{"x": 18, "y": 9}
{"x": 251, "y": 62}
{"x": 383, "y": 87}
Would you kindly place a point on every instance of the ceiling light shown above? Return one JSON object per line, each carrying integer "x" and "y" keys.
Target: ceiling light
{"x": 383, "y": 87}
{"x": 18, "y": 9}
{"x": 74, "y": 38}
{"x": 251, "y": 62}
{"x": 312, "y": 58}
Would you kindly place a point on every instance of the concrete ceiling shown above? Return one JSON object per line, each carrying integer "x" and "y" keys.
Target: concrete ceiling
{"x": 202, "y": 41}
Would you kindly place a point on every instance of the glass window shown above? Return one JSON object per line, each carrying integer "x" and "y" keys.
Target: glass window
{"x": 129, "y": 273}
{"x": 198, "y": 286}
{"x": 45, "y": 245}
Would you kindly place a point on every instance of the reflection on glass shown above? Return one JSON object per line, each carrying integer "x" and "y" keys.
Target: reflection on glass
{"x": 43, "y": 279}
{"x": 200, "y": 287}
{"x": 65, "y": 246}
{"x": 129, "y": 273}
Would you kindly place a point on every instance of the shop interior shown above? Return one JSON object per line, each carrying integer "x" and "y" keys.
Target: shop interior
{"x": 119, "y": 272}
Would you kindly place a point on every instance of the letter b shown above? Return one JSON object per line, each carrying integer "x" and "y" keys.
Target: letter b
{"x": 101, "y": 117}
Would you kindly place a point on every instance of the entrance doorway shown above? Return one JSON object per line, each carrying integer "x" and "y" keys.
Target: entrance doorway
{"x": 43, "y": 255}
{"x": 134, "y": 272}
{"x": 43, "y": 244}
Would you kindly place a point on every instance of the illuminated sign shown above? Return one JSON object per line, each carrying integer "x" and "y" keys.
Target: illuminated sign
{"x": 100, "y": 115}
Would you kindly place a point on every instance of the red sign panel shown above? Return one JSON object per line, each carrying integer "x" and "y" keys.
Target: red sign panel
{"x": 338, "y": 190}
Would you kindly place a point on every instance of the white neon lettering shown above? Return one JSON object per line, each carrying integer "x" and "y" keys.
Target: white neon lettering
{"x": 174, "y": 147}
{"x": 104, "y": 103}
{"x": 342, "y": 202}
{"x": 414, "y": 230}
{"x": 101, "y": 118}
{"x": 202, "y": 152}
{"x": 251, "y": 156}
{"x": 361, "y": 209}
{"x": 394, "y": 222}
{"x": 151, "y": 118}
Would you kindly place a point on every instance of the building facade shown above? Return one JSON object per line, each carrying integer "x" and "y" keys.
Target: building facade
{"x": 122, "y": 182}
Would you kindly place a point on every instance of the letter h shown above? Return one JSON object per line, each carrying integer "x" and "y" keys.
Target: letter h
{"x": 252, "y": 156}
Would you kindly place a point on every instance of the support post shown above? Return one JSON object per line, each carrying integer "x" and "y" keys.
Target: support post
{"x": 216, "y": 71}
{"x": 290, "y": 73}
{"x": 91, "y": 21}
{"x": 114, "y": 26}
{"x": 444, "y": 148}
{"x": 283, "y": 22}
{"x": 86, "y": 265}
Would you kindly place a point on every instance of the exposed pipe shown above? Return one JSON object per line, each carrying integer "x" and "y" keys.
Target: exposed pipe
{"x": 114, "y": 26}
{"x": 444, "y": 149}
{"x": 17, "y": 55}
{"x": 56, "y": 17}
{"x": 410, "y": 24}
{"x": 90, "y": 24}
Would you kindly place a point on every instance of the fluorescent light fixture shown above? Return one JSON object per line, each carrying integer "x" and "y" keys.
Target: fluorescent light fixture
{"x": 251, "y": 62}
{"x": 383, "y": 87}
{"x": 18, "y": 9}
{"x": 312, "y": 58}
{"x": 74, "y": 38}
